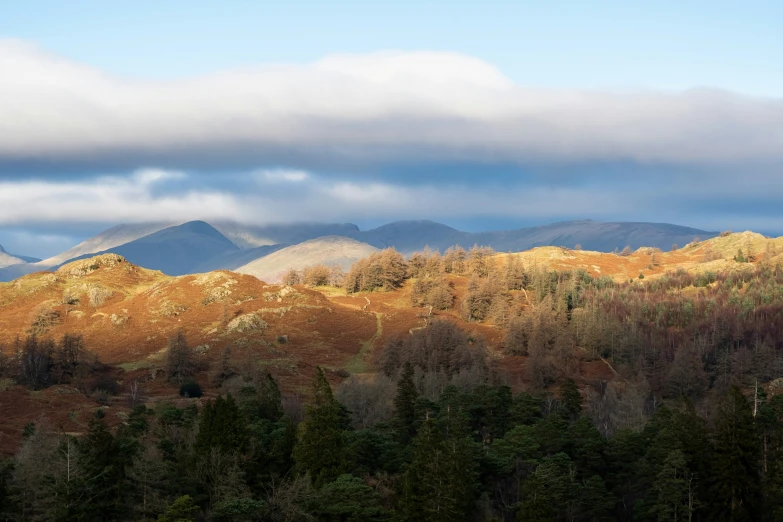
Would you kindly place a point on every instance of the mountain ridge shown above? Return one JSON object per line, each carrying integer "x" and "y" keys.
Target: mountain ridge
{"x": 237, "y": 244}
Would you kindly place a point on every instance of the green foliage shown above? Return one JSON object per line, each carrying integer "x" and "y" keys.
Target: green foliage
{"x": 735, "y": 471}
{"x": 405, "y": 405}
{"x": 553, "y": 493}
{"x": 570, "y": 398}
{"x": 181, "y": 510}
{"x": 238, "y": 510}
{"x": 440, "y": 482}
{"x": 349, "y": 499}
{"x": 319, "y": 449}
{"x": 221, "y": 426}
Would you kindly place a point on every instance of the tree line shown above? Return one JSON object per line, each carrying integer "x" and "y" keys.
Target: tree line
{"x": 470, "y": 453}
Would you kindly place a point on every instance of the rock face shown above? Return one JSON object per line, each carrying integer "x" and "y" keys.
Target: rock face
{"x": 85, "y": 266}
{"x": 246, "y": 323}
{"x": 330, "y": 251}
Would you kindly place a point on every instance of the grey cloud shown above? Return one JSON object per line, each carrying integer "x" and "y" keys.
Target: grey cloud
{"x": 375, "y": 109}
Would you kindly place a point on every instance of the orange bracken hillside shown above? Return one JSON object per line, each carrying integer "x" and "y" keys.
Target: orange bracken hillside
{"x": 127, "y": 314}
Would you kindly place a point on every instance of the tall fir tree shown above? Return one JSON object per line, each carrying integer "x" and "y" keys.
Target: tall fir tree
{"x": 439, "y": 485}
{"x": 570, "y": 398}
{"x": 221, "y": 426}
{"x": 320, "y": 446}
{"x": 405, "y": 405}
{"x": 735, "y": 468}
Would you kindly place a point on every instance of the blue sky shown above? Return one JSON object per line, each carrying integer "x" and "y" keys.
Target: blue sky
{"x": 606, "y": 44}
{"x": 491, "y": 114}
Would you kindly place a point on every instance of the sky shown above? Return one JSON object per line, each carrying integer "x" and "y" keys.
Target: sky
{"x": 487, "y": 115}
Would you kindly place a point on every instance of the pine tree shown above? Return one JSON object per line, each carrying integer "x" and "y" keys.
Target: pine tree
{"x": 735, "y": 473}
{"x": 349, "y": 499}
{"x": 221, "y": 426}
{"x": 405, "y": 405}
{"x": 674, "y": 489}
{"x": 439, "y": 485}
{"x": 320, "y": 445}
{"x": 570, "y": 398}
{"x": 271, "y": 406}
{"x": 104, "y": 459}
{"x": 181, "y": 510}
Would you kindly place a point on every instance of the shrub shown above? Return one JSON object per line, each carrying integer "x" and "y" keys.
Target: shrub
{"x": 317, "y": 275}
{"x": 292, "y": 277}
{"x": 191, "y": 389}
{"x": 641, "y": 276}
{"x": 101, "y": 396}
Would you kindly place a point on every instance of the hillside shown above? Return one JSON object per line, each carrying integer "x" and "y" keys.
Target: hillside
{"x": 330, "y": 251}
{"x": 247, "y": 236}
{"x": 127, "y": 314}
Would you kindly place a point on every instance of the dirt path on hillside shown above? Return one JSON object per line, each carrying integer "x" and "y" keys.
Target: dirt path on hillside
{"x": 357, "y": 364}
{"x": 607, "y": 363}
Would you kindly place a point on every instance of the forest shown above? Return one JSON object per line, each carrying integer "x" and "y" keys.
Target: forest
{"x": 690, "y": 428}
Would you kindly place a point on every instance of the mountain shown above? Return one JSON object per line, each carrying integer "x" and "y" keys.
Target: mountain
{"x": 231, "y": 260}
{"x": 411, "y": 236}
{"x": 113, "y": 237}
{"x": 251, "y": 236}
{"x": 234, "y": 245}
{"x": 329, "y": 250}
{"x": 176, "y": 250}
{"x": 7, "y": 259}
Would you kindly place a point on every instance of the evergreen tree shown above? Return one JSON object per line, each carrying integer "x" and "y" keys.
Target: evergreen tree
{"x": 735, "y": 470}
{"x": 439, "y": 485}
{"x": 181, "y": 510}
{"x": 319, "y": 449}
{"x": 571, "y": 399}
{"x": 674, "y": 489}
{"x": 549, "y": 491}
{"x": 104, "y": 459}
{"x": 405, "y": 405}
{"x": 348, "y": 499}
{"x": 222, "y": 427}
{"x": 271, "y": 404}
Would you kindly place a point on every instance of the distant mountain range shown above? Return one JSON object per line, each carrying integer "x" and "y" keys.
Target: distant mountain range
{"x": 269, "y": 250}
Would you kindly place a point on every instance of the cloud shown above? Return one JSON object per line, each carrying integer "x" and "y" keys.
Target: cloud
{"x": 282, "y": 175}
{"x": 373, "y": 109}
{"x": 140, "y": 197}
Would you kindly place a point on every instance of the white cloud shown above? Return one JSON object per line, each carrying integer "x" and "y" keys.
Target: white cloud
{"x": 384, "y": 106}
